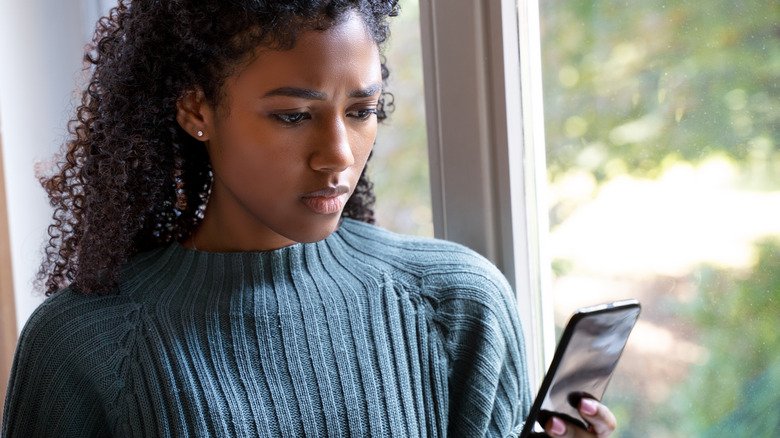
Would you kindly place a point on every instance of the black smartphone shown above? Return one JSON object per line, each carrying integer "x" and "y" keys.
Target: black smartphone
{"x": 584, "y": 361}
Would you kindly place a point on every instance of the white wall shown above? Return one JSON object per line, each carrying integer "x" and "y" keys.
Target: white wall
{"x": 41, "y": 48}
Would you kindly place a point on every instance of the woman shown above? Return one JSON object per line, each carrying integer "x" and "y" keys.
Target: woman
{"x": 221, "y": 276}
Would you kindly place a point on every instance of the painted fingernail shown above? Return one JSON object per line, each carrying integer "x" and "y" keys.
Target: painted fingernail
{"x": 558, "y": 427}
{"x": 588, "y": 406}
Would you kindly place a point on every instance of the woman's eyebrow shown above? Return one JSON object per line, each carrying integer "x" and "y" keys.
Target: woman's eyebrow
{"x": 301, "y": 93}
{"x": 368, "y": 91}
{"x": 305, "y": 93}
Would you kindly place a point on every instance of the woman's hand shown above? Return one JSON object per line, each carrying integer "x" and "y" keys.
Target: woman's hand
{"x": 602, "y": 422}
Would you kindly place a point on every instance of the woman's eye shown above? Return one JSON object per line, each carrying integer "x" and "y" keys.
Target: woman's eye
{"x": 362, "y": 114}
{"x": 292, "y": 118}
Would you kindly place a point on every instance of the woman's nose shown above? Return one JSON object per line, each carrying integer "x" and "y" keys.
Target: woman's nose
{"x": 332, "y": 152}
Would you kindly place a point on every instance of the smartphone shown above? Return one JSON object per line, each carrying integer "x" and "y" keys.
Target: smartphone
{"x": 584, "y": 361}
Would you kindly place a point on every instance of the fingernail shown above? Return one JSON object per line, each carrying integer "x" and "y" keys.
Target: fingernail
{"x": 588, "y": 406}
{"x": 558, "y": 428}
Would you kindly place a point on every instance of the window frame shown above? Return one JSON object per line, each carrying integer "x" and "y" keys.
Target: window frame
{"x": 482, "y": 73}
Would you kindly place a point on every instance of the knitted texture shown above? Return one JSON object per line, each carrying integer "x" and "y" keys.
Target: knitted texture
{"x": 366, "y": 333}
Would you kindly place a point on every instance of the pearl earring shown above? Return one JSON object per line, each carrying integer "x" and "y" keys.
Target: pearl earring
{"x": 200, "y": 133}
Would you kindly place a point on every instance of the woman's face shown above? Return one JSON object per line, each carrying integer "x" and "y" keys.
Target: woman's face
{"x": 289, "y": 140}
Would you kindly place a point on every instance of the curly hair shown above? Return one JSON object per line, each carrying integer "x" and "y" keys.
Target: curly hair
{"x": 131, "y": 179}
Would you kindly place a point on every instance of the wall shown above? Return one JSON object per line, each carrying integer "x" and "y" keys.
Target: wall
{"x": 41, "y": 47}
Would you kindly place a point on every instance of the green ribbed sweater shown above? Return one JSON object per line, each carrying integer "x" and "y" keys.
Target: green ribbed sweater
{"x": 366, "y": 333}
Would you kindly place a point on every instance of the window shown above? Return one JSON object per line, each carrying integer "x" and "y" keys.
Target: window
{"x": 662, "y": 123}
{"x": 399, "y": 165}
{"x": 662, "y": 120}
{"x": 484, "y": 116}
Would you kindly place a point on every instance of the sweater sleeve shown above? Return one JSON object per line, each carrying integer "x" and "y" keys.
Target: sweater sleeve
{"x": 63, "y": 375}
{"x": 488, "y": 383}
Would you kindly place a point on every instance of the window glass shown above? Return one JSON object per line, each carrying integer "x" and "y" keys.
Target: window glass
{"x": 399, "y": 165}
{"x": 662, "y": 125}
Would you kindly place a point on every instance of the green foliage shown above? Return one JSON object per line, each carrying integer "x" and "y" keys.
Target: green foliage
{"x": 758, "y": 414}
{"x": 629, "y": 83}
{"x": 633, "y": 87}
{"x": 737, "y": 314}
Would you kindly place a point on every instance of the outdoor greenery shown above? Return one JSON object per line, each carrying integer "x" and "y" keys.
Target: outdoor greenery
{"x": 634, "y": 84}
{"x": 634, "y": 88}
{"x": 737, "y": 313}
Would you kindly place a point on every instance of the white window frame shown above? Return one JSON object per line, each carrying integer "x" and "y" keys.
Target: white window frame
{"x": 482, "y": 70}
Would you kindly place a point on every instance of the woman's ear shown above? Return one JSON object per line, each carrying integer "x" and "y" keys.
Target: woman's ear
{"x": 191, "y": 110}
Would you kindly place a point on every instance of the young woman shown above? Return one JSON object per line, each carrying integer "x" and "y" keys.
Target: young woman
{"x": 220, "y": 274}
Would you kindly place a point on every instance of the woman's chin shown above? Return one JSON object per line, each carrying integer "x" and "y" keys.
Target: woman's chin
{"x": 317, "y": 232}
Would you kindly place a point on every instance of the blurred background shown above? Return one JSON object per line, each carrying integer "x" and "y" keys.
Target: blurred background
{"x": 662, "y": 128}
{"x": 399, "y": 165}
{"x": 662, "y": 123}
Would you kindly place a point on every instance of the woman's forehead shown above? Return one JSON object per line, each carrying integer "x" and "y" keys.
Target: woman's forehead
{"x": 345, "y": 49}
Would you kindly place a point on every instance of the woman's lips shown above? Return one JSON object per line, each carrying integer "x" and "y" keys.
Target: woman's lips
{"x": 327, "y": 201}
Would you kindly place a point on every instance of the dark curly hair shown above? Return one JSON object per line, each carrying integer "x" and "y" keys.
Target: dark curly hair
{"x": 131, "y": 178}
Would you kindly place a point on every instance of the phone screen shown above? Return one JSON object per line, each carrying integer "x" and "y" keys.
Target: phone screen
{"x": 584, "y": 361}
